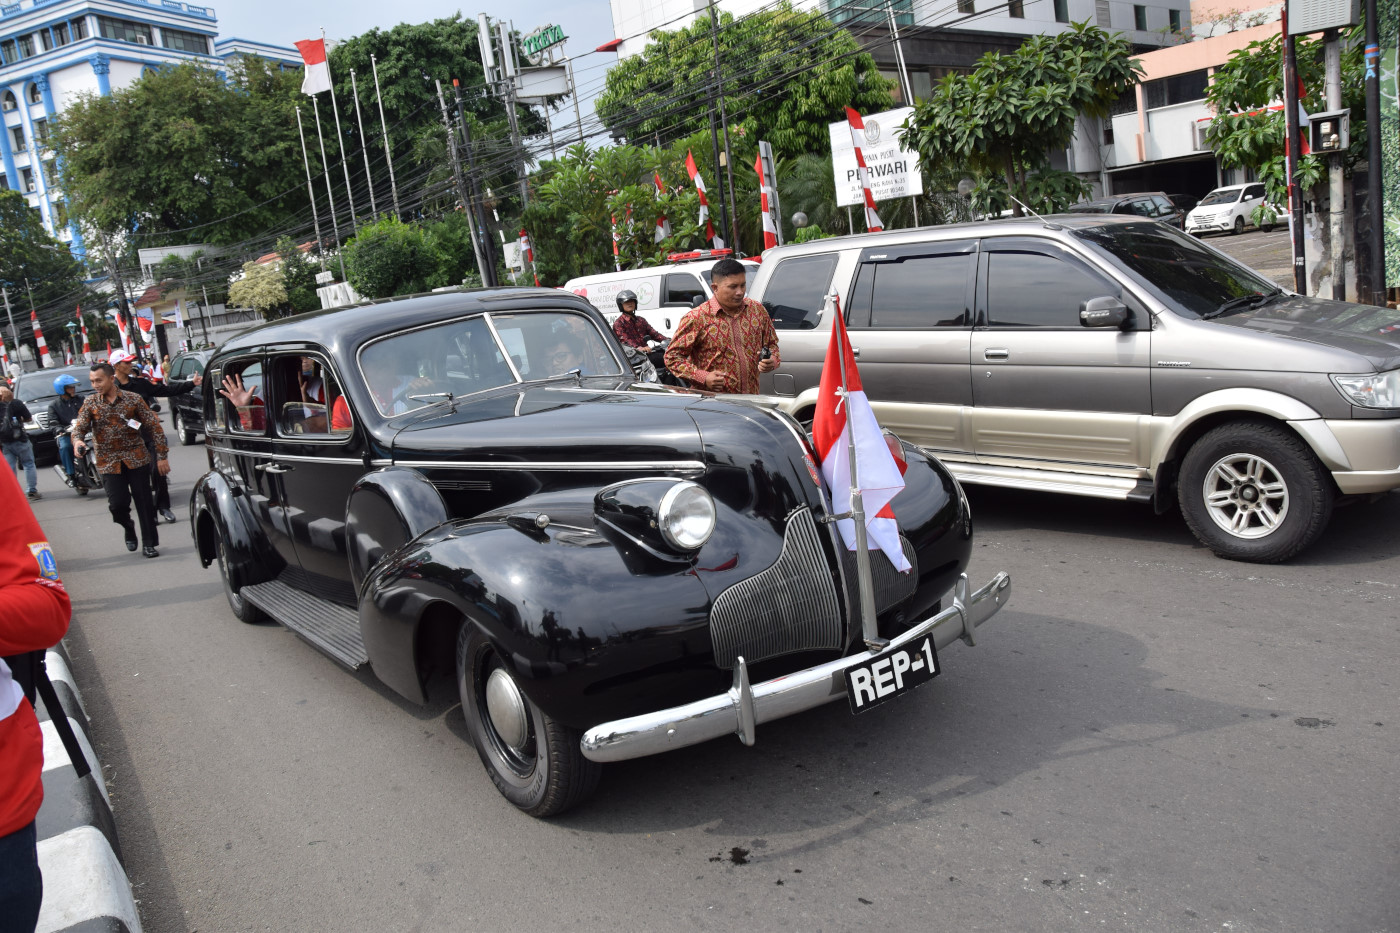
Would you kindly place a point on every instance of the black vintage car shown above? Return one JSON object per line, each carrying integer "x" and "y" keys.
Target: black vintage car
{"x": 471, "y": 483}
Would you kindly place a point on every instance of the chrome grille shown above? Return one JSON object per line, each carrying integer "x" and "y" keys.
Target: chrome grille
{"x": 791, "y": 606}
{"x": 891, "y": 586}
{"x": 43, "y": 419}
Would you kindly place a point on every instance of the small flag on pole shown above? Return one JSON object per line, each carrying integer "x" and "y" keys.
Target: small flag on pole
{"x": 872, "y": 219}
{"x": 317, "y": 75}
{"x": 844, "y": 420}
{"x": 87, "y": 348}
{"x": 699, "y": 182}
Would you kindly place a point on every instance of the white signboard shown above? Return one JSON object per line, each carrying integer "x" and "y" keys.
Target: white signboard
{"x": 515, "y": 256}
{"x": 894, "y": 171}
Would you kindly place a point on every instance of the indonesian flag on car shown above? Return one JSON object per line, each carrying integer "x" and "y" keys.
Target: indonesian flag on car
{"x": 844, "y": 419}
{"x": 317, "y": 74}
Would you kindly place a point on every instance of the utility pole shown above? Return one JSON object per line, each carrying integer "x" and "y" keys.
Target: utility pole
{"x": 123, "y": 309}
{"x": 487, "y": 277}
{"x": 384, "y": 128}
{"x": 1295, "y": 191}
{"x": 364, "y": 148}
{"x": 14, "y": 334}
{"x": 508, "y": 71}
{"x": 732, "y": 216}
{"x": 1376, "y": 230}
{"x": 1336, "y": 188}
{"x": 311, "y": 193}
{"x": 461, "y": 185}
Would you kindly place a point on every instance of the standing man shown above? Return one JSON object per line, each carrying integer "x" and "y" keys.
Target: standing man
{"x": 14, "y": 440}
{"x": 34, "y": 611}
{"x": 129, "y": 381}
{"x": 62, "y": 411}
{"x": 116, "y": 419}
{"x": 724, "y": 344}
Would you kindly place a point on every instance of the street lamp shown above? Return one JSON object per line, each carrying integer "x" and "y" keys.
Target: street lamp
{"x": 799, "y": 220}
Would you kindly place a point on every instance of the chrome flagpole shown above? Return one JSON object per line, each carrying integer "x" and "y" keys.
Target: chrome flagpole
{"x": 340, "y": 139}
{"x": 865, "y": 584}
{"x": 364, "y": 149}
{"x": 383, "y": 128}
{"x": 330, "y": 195}
{"x": 311, "y": 193}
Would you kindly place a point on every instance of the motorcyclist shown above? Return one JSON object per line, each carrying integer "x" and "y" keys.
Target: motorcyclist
{"x": 62, "y": 411}
{"x": 636, "y": 332}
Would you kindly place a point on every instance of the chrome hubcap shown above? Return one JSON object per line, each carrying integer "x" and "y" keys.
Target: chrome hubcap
{"x": 506, "y": 706}
{"x": 1245, "y": 495}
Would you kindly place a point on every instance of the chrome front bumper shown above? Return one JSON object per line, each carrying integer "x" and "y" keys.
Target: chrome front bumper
{"x": 740, "y": 710}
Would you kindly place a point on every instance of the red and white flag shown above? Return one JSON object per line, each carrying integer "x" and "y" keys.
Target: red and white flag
{"x": 44, "y": 359}
{"x": 617, "y": 254}
{"x": 770, "y": 229}
{"x": 4, "y": 359}
{"x": 843, "y": 419}
{"x": 146, "y": 324}
{"x": 317, "y": 73}
{"x": 663, "y": 226}
{"x": 87, "y": 348}
{"x": 67, "y": 356}
{"x": 528, "y": 249}
{"x": 872, "y": 219}
{"x": 699, "y": 183}
{"x": 124, "y": 332}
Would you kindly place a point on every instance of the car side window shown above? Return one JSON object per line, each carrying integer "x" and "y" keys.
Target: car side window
{"x": 1164, "y": 207}
{"x": 797, "y": 290}
{"x": 215, "y": 377}
{"x": 1254, "y": 192}
{"x": 309, "y": 398}
{"x": 244, "y": 407}
{"x": 681, "y": 290}
{"x": 1026, "y": 289}
{"x": 1144, "y": 207}
{"x": 914, "y": 292}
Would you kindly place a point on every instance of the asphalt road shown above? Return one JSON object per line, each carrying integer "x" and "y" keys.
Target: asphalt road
{"x": 1148, "y": 738}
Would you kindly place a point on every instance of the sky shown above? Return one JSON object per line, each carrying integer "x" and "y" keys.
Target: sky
{"x": 587, "y": 23}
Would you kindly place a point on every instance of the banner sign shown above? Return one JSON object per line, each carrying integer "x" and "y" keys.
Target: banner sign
{"x": 1388, "y": 21}
{"x": 894, "y": 171}
{"x": 543, "y": 38}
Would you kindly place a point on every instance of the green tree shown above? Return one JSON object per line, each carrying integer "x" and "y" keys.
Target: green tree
{"x": 194, "y": 276}
{"x": 298, "y": 276}
{"x": 452, "y": 245}
{"x": 261, "y": 289}
{"x": 789, "y": 71}
{"x": 1013, "y": 110}
{"x": 390, "y": 258}
{"x": 186, "y": 147}
{"x": 32, "y": 262}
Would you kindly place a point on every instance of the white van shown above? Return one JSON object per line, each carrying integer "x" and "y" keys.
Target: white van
{"x": 664, "y": 293}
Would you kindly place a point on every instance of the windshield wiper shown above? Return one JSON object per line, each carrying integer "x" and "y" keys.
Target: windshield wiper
{"x": 1241, "y": 303}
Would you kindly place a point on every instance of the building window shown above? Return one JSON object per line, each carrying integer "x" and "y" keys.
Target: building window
{"x": 17, "y": 142}
{"x": 868, "y": 12}
{"x": 45, "y": 40}
{"x": 4, "y": 183}
{"x": 1108, "y": 132}
{"x": 41, "y": 132}
{"x": 60, "y": 214}
{"x": 79, "y": 29}
{"x": 26, "y": 46}
{"x": 34, "y": 95}
{"x": 8, "y": 52}
{"x": 1061, "y": 11}
{"x": 26, "y": 178}
{"x": 1015, "y": 9}
{"x": 123, "y": 30}
{"x": 60, "y": 34}
{"x": 1178, "y": 89}
{"x": 50, "y": 173}
{"x": 1126, "y": 103}
{"x": 8, "y": 102}
{"x": 967, "y": 6}
{"x": 184, "y": 41}
{"x": 1140, "y": 17}
{"x": 1174, "y": 20}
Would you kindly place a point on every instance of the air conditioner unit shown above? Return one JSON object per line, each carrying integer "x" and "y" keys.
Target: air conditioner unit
{"x": 29, "y": 186}
{"x": 142, "y": 40}
{"x": 1198, "y": 136}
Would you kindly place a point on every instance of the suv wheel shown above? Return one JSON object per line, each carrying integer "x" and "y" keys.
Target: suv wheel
{"x": 186, "y": 436}
{"x": 1254, "y": 492}
{"x": 1239, "y": 225}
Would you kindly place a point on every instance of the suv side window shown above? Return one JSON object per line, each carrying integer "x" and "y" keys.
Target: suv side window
{"x": 913, "y": 292}
{"x": 797, "y": 291}
{"x": 1254, "y": 191}
{"x": 1034, "y": 289}
{"x": 681, "y": 290}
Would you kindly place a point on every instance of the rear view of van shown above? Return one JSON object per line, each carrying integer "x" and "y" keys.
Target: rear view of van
{"x": 664, "y": 293}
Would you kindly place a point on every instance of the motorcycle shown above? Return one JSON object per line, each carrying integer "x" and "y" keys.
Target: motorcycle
{"x": 85, "y": 476}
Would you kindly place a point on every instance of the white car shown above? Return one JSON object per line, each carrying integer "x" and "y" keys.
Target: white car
{"x": 1227, "y": 209}
{"x": 664, "y": 293}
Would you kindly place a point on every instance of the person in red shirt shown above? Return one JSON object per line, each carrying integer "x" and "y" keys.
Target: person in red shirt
{"x": 34, "y": 612}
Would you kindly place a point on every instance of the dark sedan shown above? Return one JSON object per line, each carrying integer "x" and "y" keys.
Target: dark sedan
{"x": 36, "y": 391}
{"x": 471, "y": 484}
{"x": 187, "y": 408}
{"x": 1151, "y": 204}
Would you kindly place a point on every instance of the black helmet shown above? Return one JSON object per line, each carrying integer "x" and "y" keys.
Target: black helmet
{"x": 625, "y": 296}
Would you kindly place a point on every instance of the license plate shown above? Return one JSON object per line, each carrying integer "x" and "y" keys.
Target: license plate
{"x": 887, "y": 675}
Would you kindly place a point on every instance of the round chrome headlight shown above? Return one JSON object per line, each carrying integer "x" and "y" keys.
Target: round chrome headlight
{"x": 686, "y": 515}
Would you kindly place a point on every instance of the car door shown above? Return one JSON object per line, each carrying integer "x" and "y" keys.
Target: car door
{"x": 1049, "y": 392}
{"x": 678, "y": 295}
{"x": 910, "y": 323}
{"x": 190, "y": 404}
{"x": 317, "y": 462}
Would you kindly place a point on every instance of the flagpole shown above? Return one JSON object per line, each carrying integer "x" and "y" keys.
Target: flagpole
{"x": 325, "y": 166}
{"x": 340, "y": 138}
{"x": 388, "y": 156}
{"x": 311, "y": 193}
{"x": 364, "y": 150}
{"x": 865, "y": 584}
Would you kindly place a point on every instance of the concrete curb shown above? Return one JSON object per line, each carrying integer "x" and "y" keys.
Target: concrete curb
{"x": 86, "y": 889}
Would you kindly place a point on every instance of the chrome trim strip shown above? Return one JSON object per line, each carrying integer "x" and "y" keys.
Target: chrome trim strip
{"x": 273, "y": 455}
{"x": 665, "y": 466}
{"x": 729, "y": 712}
{"x": 501, "y": 345}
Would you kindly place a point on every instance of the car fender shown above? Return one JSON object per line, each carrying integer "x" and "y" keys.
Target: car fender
{"x": 1242, "y": 401}
{"x": 386, "y": 509}
{"x": 586, "y": 639}
{"x": 219, "y": 511}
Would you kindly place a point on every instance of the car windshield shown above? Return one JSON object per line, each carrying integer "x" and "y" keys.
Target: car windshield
{"x": 1189, "y": 276}
{"x": 1221, "y": 196}
{"x": 1093, "y": 207}
{"x": 420, "y": 367}
{"x": 34, "y": 386}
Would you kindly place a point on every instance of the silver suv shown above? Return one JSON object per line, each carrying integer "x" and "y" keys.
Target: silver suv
{"x": 1108, "y": 357}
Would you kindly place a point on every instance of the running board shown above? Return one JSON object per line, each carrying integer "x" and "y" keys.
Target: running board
{"x": 1123, "y": 488}
{"x": 328, "y": 626}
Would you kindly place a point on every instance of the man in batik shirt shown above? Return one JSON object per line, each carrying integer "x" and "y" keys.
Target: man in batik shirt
{"x": 720, "y": 345}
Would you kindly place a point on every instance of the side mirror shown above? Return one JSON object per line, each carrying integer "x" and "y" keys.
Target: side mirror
{"x": 1104, "y": 312}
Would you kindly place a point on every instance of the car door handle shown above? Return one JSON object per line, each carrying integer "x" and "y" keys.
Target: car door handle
{"x": 273, "y": 468}
{"x": 996, "y": 353}
{"x": 855, "y": 351}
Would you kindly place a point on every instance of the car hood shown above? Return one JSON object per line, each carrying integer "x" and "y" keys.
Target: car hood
{"x": 556, "y": 423}
{"x": 1367, "y": 331}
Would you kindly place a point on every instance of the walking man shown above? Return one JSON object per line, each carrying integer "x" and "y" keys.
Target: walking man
{"x": 116, "y": 419}
{"x": 14, "y": 440}
{"x": 130, "y": 381}
{"x": 724, "y": 344}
